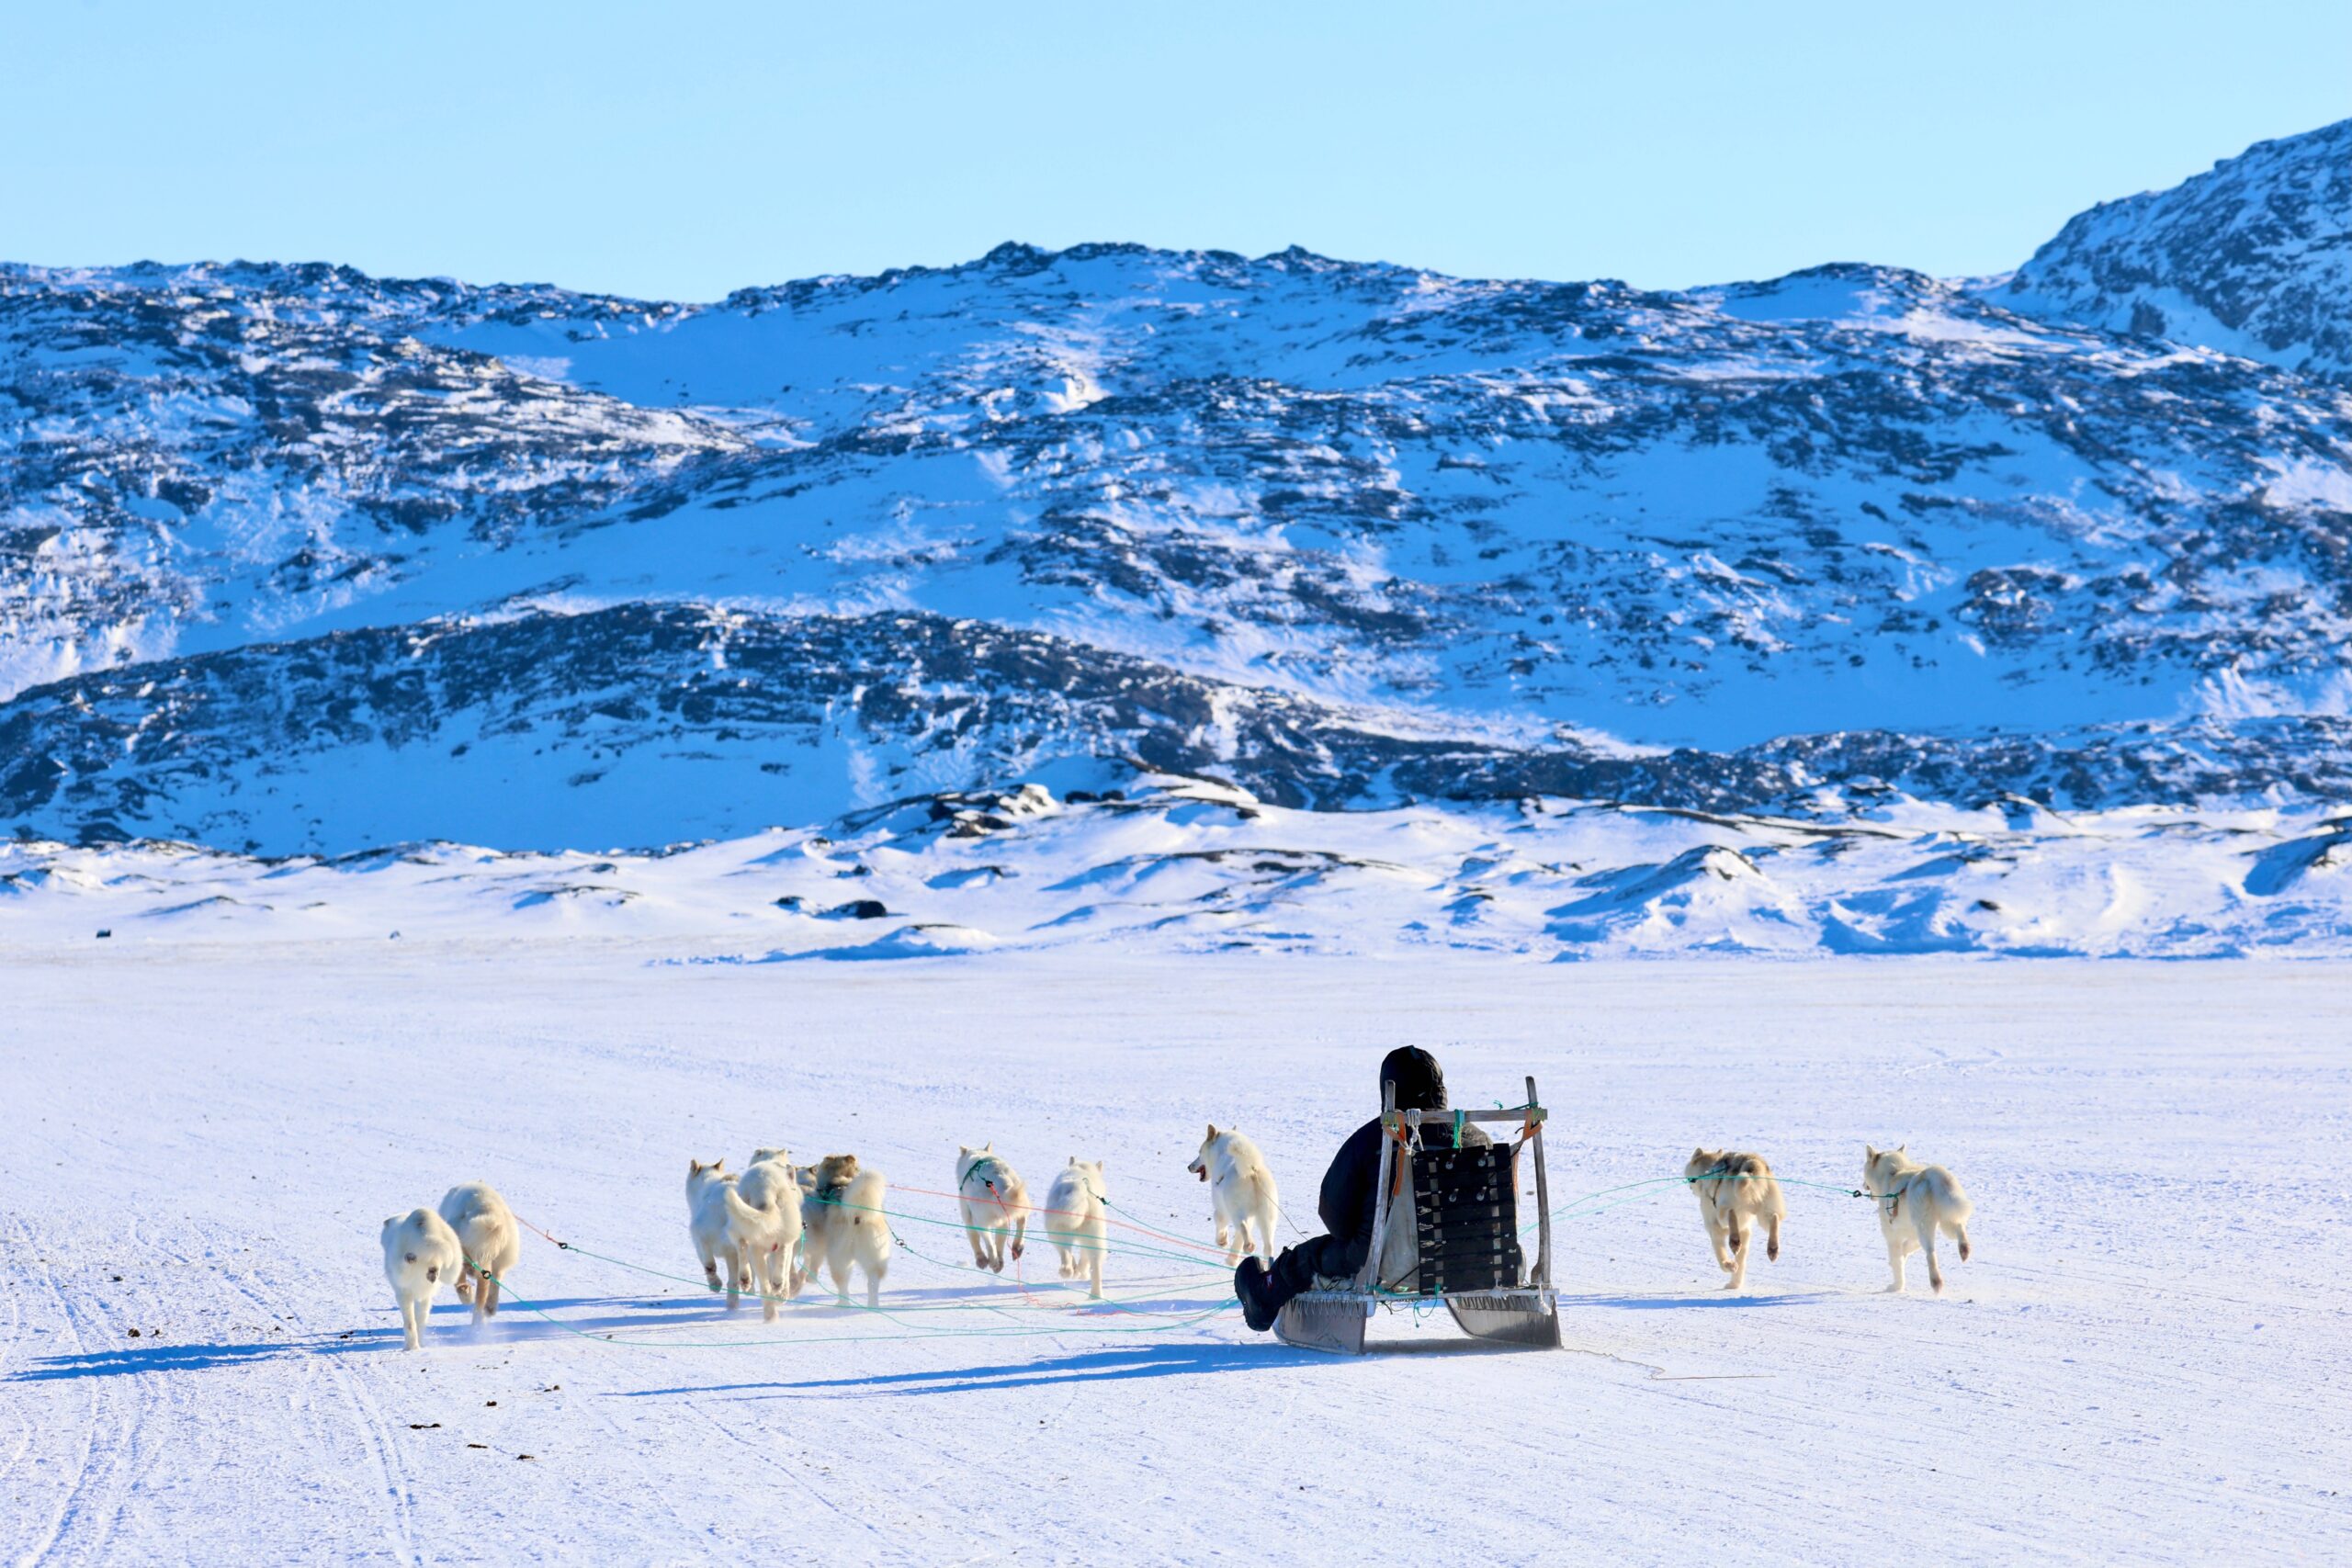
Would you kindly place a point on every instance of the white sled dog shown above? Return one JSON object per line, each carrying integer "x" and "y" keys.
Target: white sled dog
{"x": 707, "y": 1189}
{"x": 798, "y": 1263}
{"x": 492, "y": 1242}
{"x": 420, "y": 1251}
{"x": 764, "y": 1226}
{"x": 1241, "y": 1194}
{"x": 797, "y": 1266}
{"x": 1076, "y": 1220}
{"x": 1915, "y": 1201}
{"x": 1735, "y": 1191}
{"x": 842, "y": 1212}
{"x": 993, "y": 1200}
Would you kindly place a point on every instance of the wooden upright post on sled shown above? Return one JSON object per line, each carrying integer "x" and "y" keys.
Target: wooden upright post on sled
{"x": 1461, "y": 1244}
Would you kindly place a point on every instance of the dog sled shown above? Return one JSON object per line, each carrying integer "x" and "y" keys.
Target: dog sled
{"x": 1445, "y": 1228}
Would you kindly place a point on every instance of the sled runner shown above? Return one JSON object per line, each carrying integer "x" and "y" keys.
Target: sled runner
{"x": 1453, "y": 1236}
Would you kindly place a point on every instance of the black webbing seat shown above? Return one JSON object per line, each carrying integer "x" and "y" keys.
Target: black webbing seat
{"x": 1465, "y": 1214}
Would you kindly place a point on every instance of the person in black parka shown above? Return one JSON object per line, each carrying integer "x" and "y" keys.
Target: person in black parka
{"x": 1350, "y": 1194}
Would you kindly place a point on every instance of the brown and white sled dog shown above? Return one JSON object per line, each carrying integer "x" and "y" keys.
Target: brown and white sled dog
{"x": 1242, "y": 1198}
{"x": 492, "y": 1240}
{"x": 707, "y": 1186}
{"x": 764, "y": 1226}
{"x": 1079, "y": 1224}
{"x": 842, "y": 1212}
{"x": 420, "y": 1251}
{"x": 1735, "y": 1191}
{"x": 992, "y": 1200}
{"x": 1914, "y": 1203}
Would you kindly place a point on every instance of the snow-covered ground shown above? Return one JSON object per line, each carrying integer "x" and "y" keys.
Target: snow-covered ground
{"x": 1188, "y": 865}
{"x": 2145, "y": 1362}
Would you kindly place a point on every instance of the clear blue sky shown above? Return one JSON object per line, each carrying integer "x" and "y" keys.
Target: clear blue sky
{"x": 681, "y": 151}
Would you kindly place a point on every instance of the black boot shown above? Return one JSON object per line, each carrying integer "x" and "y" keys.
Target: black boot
{"x": 1261, "y": 1303}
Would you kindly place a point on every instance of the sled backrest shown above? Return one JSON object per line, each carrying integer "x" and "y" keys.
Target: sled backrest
{"x": 1464, "y": 1201}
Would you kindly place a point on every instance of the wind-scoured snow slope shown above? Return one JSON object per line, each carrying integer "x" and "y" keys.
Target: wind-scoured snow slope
{"x": 294, "y": 559}
{"x": 2252, "y": 256}
{"x": 2144, "y": 1362}
{"x": 1182, "y": 866}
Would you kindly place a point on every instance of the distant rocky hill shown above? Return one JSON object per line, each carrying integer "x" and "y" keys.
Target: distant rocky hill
{"x": 292, "y": 559}
{"x": 2253, "y": 256}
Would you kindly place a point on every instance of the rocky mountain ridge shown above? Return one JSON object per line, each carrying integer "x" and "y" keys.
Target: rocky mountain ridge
{"x": 2252, "y": 256}
{"x": 296, "y": 559}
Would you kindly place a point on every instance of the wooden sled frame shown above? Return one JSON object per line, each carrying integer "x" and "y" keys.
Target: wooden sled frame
{"x": 1527, "y": 1315}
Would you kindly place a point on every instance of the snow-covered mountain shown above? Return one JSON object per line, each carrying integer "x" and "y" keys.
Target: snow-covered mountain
{"x": 2252, "y": 256}
{"x": 294, "y": 559}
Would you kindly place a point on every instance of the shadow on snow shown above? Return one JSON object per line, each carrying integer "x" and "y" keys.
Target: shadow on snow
{"x": 1087, "y": 1366}
{"x": 452, "y": 1329}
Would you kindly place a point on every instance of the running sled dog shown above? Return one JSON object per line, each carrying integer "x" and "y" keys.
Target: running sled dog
{"x": 844, "y": 1225}
{"x": 797, "y": 1268}
{"x": 993, "y": 1200}
{"x": 707, "y": 1188}
{"x": 764, "y": 1226}
{"x": 1241, "y": 1194}
{"x": 420, "y": 1251}
{"x": 493, "y": 1243}
{"x": 1735, "y": 1191}
{"x": 1914, "y": 1203}
{"x": 1078, "y": 1221}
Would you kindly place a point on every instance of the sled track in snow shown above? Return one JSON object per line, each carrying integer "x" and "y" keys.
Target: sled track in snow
{"x": 103, "y": 1472}
{"x": 394, "y": 1490}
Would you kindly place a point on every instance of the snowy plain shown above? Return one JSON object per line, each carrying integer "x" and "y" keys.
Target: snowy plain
{"x": 1181, "y": 865}
{"x": 2144, "y": 1363}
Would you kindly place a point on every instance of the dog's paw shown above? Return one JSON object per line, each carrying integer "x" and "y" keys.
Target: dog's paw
{"x": 1964, "y": 1252}
{"x": 1724, "y": 1264}
{"x": 1772, "y": 1251}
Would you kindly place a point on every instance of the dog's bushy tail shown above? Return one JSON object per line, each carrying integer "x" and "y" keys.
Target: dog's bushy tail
{"x": 1952, "y": 1208}
{"x": 862, "y": 1201}
{"x": 743, "y": 1213}
{"x": 1745, "y": 1180}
